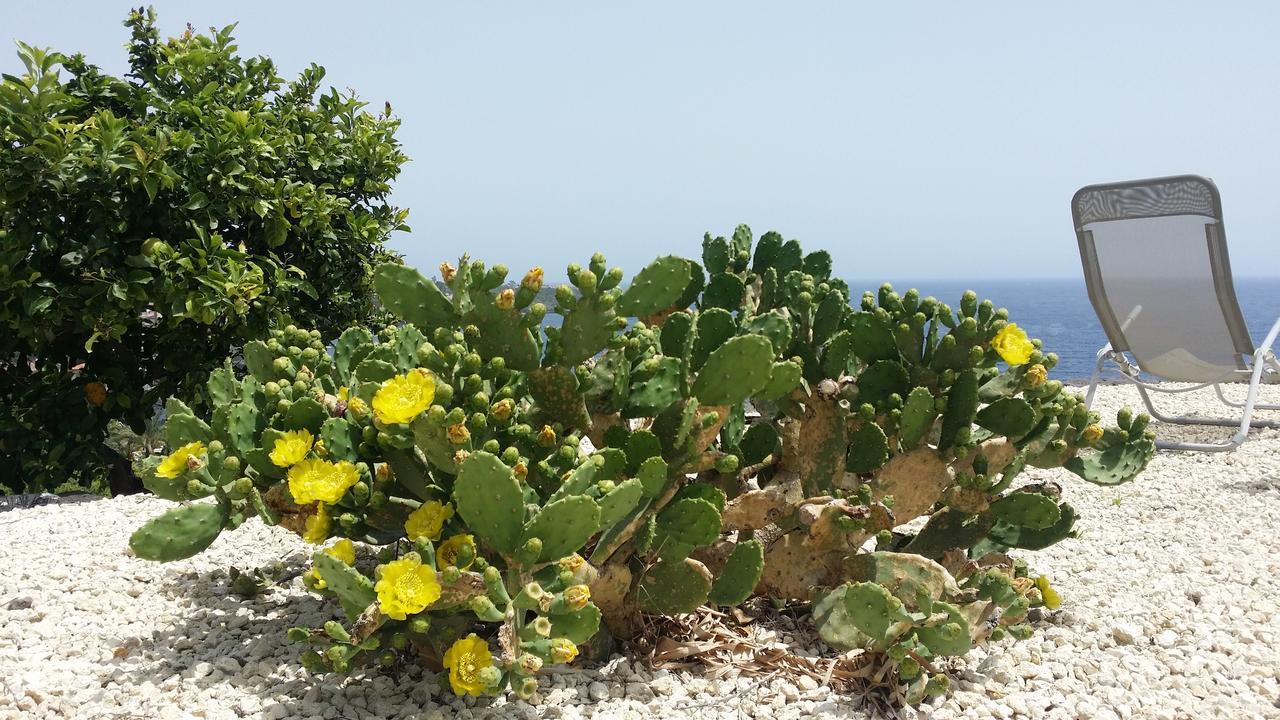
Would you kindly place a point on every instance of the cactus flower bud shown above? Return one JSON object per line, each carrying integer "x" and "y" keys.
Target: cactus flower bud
{"x": 521, "y": 470}
{"x": 448, "y": 272}
{"x": 611, "y": 279}
{"x": 533, "y": 279}
{"x": 547, "y": 436}
{"x": 564, "y": 295}
{"x": 1036, "y": 375}
{"x": 1092, "y": 433}
{"x": 419, "y": 625}
{"x": 335, "y": 630}
{"x": 506, "y": 299}
{"x": 490, "y": 677}
{"x": 459, "y": 434}
{"x": 728, "y": 464}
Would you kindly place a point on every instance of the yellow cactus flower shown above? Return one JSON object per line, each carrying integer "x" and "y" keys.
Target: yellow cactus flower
{"x": 95, "y": 393}
{"x": 521, "y": 470}
{"x": 576, "y": 597}
{"x": 464, "y": 660}
{"x": 458, "y": 434}
{"x": 1036, "y": 375}
{"x": 428, "y": 520}
{"x": 563, "y": 650}
{"x": 180, "y": 460}
{"x": 447, "y": 553}
{"x": 315, "y": 480}
{"x": 317, "y": 526}
{"x": 532, "y": 279}
{"x": 1051, "y": 598}
{"x": 406, "y": 587}
{"x": 291, "y": 448}
{"x": 506, "y": 299}
{"x": 1012, "y": 344}
{"x": 1092, "y": 434}
{"x": 344, "y": 394}
{"x": 342, "y": 550}
{"x": 404, "y": 397}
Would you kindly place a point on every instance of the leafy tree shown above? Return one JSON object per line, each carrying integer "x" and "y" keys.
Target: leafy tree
{"x": 150, "y": 224}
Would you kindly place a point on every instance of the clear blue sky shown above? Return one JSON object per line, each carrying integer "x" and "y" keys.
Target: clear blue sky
{"x": 914, "y": 140}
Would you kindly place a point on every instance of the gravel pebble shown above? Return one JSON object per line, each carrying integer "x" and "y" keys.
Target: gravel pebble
{"x": 1171, "y": 611}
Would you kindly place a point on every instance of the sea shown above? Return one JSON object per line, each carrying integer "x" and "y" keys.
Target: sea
{"x": 1059, "y": 313}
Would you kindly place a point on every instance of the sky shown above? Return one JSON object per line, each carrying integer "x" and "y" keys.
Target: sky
{"x": 911, "y": 139}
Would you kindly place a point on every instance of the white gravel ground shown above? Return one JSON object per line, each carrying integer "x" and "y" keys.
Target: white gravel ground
{"x": 1172, "y": 610}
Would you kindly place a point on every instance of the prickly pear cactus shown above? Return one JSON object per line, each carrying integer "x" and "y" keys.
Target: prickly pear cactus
{"x": 488, "y": 490}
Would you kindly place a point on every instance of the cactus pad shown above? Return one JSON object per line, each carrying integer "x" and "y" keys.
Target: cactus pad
{"x": 179, "y": 533}
{"x": 656, "y": 287}
{"x": 773, "y": 325}
{"x": 714, "y": 328}
{"x": 868, "y": 449}
{"x": 563, "y": 526}
{"x": 555, "y": 389}
{"x": 724, "y": 291}
{"x": 872, "y": 336}
{"x": 1011, "y": 417}
{"x": 741, "y": 572}
{"x": 1026, "y": 509}
{"x": 652, "y": 475}
{"x": 735, "y": 371}
{"x": 673, "y": 587}
{"x": 691, "y": 520}
{"x": 182, "y": 429}
{"x": 354, "y": 591}
{"x": 578, "y": 626}
{"x": 1026, "y": 538}
{"x": 490, "y": 501}
{"x": 950, "y": 637}
{"x": 658, "y": 391}
{"x": 412, "y": 297}
{"x": 962, "y": 405}
{"x": 784, "y": 377}
{"x": 918, "y": 416}
{"x": 620, "y": 501}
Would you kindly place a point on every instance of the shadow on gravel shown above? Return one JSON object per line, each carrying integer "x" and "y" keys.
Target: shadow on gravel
{"x": 210, "y": 645}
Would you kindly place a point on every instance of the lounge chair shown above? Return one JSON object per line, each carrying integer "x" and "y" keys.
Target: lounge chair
{"x": 1155, "y": 263}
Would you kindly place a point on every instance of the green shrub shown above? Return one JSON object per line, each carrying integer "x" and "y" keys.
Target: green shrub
{"x": 152, "y": 223}
{"x": 750, "y": 431}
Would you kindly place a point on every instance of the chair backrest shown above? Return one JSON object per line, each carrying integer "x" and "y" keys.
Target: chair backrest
{"x": 1155, "y": 263}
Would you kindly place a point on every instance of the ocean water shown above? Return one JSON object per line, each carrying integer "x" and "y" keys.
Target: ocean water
{"x": 1058, "y": 312}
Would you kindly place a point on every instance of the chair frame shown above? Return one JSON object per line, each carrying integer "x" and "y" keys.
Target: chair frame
{"x": 1262, "y": 358}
